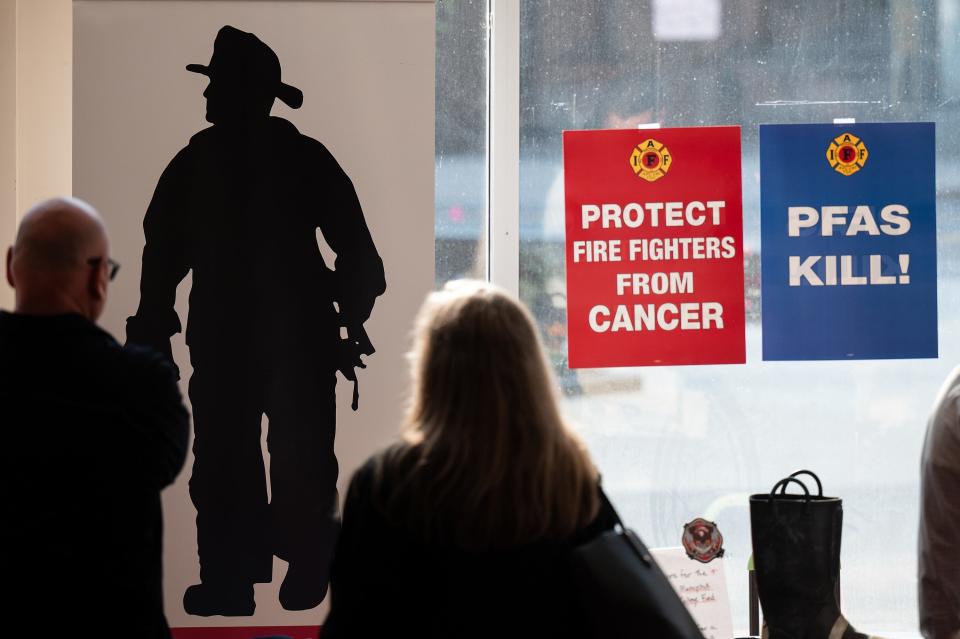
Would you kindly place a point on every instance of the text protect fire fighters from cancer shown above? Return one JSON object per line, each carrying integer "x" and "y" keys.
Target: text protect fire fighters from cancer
{"x": 650, "y": 316}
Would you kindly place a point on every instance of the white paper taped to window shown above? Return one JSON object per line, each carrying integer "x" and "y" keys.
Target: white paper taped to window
{"x": 701, "y": 587}
{"x": 679, "y": 20}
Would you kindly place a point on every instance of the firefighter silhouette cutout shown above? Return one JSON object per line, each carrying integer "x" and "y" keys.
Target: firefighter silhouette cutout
{"x": 269, "y": 325}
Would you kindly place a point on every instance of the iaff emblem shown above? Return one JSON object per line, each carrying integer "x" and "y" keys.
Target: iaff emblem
{"x": 847, "y": 154}
{"x": 702, "y": 540}
{"x": 650, "y": 160}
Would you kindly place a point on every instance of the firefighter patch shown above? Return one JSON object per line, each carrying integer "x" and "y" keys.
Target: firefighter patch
{"x": 650, "y": 160}
{"x": 702, "y": 540}
{"x": 847, "y": 154}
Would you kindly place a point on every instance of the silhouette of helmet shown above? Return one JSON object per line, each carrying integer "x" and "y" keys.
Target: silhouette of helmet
{"x": 242, "y": 59}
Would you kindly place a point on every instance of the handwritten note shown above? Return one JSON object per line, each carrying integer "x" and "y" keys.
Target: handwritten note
{"x": 701, "y": 587}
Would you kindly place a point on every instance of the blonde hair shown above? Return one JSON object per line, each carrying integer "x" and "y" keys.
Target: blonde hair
{"x": 488, "y": 461}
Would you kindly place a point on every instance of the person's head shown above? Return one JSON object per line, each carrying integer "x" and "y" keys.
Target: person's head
{"x": 244, "y": 79}
{"x": 500, "y": 464}
{"x": 235, "y": 102}
{"x": 59, "y": 262}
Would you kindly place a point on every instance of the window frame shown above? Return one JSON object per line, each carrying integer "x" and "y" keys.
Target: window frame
{"x": 503, "y": 144}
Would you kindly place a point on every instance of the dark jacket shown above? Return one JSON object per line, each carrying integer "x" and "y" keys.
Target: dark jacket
{"x": 93, "y": 432}
{"x": 386, "y": 582}
{"x": 239, "y": 207}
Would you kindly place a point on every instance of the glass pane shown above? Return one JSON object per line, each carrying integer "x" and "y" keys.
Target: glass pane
{"x": 675, "y": 443}
{"x": 461, "y": 186}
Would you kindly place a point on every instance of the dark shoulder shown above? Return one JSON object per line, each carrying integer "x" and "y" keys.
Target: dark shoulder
{"x": 317, "y": 148}
{"x": 202, "y": 137}
{"x": 319, "y": 154}
{"x": 381, "y": 490}
{"x": 207, "y": 146}
{"x": 362, "y": 479}
{"x": 605, "y": 519}
{"x": 137, "y": 368}
{"x": 147, "y": 363}
{"x": 381, "y": 472}
{"x": 314, "y": 150}
{"x": 182, "y": 165}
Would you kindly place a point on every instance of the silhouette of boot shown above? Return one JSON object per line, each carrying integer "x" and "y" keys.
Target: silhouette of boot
{"x": 796, "y": 549}
{"x": 227, "y": 599}
{"x": 304, "y": 586}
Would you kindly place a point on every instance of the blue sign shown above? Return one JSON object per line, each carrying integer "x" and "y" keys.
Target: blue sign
{"x": 848, "y": 241}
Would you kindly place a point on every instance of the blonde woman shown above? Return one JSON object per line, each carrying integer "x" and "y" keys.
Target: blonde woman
{"x": 461, "y": 529}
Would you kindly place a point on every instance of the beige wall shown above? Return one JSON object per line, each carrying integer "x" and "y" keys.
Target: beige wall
{"x": 8, "y": 134}
{"x": 36, "y": 116}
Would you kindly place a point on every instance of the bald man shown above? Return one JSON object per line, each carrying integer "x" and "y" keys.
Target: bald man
{"x": 93, "y": 432}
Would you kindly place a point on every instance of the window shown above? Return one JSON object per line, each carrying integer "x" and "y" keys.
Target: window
{"x": 461, "y": 139}
{"x": 674, "y": 443}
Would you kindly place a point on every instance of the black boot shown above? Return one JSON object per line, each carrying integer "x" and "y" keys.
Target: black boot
{"x": 227, "y": 599}
{"x": 796, "y": 550}
{"x": 304, "y": 586}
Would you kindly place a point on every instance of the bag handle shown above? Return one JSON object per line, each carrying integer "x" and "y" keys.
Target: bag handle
{"x": 782, "y": 485}
{"x": 625, "y": 533}
{"x": 804, "y": 471}
{"x": 605, "y": 501}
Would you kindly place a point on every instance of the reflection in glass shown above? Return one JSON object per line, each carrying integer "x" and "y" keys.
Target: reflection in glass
{"x": 461, "y": 139}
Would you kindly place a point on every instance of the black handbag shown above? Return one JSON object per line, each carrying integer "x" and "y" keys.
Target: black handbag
{"x": 624, "y": 593}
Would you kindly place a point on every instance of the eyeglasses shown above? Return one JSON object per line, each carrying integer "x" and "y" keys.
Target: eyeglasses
{"x": 112, "y": 266}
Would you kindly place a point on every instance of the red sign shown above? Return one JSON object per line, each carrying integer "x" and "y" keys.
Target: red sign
{"x": 654, "y": 247}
